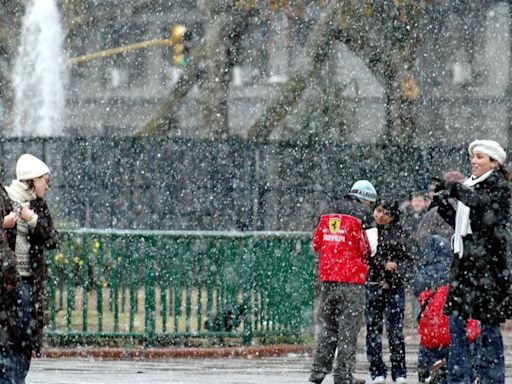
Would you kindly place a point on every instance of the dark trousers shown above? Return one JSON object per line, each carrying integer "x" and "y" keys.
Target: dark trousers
{"x": 426, "y": 359}
{"x": 388, "y": 304}
{"x": 15, "y": 363}
{"x": 340, "y": 319}
{"x": 8, "y": 367}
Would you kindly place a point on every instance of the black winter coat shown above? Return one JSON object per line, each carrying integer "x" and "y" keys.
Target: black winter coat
{"x": 393, "y": 245}
{"x": 9, "y": 279}
{"x": 44, "y": 235}
{"x": 479, "y": 280}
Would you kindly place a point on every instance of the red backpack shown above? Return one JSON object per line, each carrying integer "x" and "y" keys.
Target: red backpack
{"x": 434, "y": 325}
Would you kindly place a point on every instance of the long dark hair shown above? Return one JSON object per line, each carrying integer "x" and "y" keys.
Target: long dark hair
{"x": 505, "y": 172}
{"x": 29, "y": 184}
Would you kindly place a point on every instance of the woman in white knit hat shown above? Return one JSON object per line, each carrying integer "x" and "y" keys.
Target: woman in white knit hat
{"x": 480, "y": 281}
{"x": 34, "y": 231}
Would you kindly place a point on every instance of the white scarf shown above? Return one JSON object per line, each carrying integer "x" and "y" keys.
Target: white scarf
{"x": 20, "y": 194}
{"x": 462, "y": 222}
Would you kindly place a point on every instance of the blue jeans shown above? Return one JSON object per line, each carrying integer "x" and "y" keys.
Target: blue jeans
{"x": 459, "y": 357}
{"x": 388, "y": 303}
{"x": 8, "y": 368}
{"x": 26, "y": 330}
{"x": 485, "y": 358}
{"x": 491, "y": 358}
{"x": 15, "y": 362}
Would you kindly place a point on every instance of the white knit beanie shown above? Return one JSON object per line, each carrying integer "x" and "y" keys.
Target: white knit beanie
{"x": 30, "y": 167}
{"x": 490, "y": 147}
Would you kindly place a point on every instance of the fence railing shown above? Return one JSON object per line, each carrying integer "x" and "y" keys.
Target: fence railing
{"x": 159, "y": 286}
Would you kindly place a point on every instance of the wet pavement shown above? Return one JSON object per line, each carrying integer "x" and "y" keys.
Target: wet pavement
{"x": 287, "y": 368}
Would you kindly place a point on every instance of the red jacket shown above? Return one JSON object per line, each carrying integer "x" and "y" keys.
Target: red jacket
{"x": 434, "y": 326}
{"x": 342, "y": 245}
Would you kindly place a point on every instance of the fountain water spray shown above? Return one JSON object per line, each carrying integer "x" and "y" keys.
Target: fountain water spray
{"x": 39, "y": 74}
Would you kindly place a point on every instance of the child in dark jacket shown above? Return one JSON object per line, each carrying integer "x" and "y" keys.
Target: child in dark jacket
{"x": 389, "y": 270}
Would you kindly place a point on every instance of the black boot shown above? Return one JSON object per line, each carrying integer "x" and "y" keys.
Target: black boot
{"x": 350, "y": 380}
{"x": 316, "y": 377}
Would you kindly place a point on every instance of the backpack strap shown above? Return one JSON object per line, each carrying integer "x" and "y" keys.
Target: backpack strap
{"x": 426, "y": 303}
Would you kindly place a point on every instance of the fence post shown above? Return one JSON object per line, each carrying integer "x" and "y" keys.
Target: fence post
{"x": 248, "y": 281}
{"x": 85, "y": 277}
{"x": 149, "y": 288}
{"x": 99, "y": 284}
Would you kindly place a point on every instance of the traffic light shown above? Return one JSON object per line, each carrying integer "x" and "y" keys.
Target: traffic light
{"x": 179, "y": 38}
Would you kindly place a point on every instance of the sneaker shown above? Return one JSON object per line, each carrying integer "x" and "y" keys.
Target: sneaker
{"x": 401, "y": 380}
{"x": 379, "y": 380}
{"x": 438, "y": 365}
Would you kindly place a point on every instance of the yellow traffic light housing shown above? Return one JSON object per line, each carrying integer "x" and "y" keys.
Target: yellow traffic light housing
{"x": 178, "y": 38}
{"x": 178, "y": 34}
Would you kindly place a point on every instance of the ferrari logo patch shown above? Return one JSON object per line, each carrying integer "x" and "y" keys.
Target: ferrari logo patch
{"x": 334, "y": 225}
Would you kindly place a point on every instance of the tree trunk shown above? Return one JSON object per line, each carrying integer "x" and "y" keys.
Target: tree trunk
{"x": 383, "y": 36}
{"x": 166, "y": 119}
{"x": 316, "y": 53}
{"x": 214, "y": 87}
{"x": 210, "y": 66}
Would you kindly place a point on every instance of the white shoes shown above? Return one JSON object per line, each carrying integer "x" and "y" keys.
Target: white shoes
{"x": 382, "y": 380}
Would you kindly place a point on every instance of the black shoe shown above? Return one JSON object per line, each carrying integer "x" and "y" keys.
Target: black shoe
{"x": 317, "y": 377}
{"x": 352, "y": 380}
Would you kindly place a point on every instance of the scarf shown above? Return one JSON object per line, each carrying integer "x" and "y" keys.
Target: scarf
{"x": 462, "y": 221}
{"x": 19, "y": 194}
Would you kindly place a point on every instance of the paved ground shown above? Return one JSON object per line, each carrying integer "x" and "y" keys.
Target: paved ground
{"x": 284, "y": 370}
{"x": 288, "y": 368}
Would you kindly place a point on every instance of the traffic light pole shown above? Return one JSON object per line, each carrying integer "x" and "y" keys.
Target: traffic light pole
{"x": 120, "y": 50}
{"x": 176, "y": 40}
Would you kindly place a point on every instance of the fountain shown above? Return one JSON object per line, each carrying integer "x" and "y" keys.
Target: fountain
{"x": 39, "y": 74}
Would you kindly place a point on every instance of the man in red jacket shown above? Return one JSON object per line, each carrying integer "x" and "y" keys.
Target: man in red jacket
{"x": 341, "y": 242}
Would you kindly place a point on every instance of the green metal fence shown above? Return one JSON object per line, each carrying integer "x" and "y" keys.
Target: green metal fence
{"x": 160, "y": 286}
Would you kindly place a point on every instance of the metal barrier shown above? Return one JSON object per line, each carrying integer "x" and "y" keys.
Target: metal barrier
{"x": 160, "y": 286}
